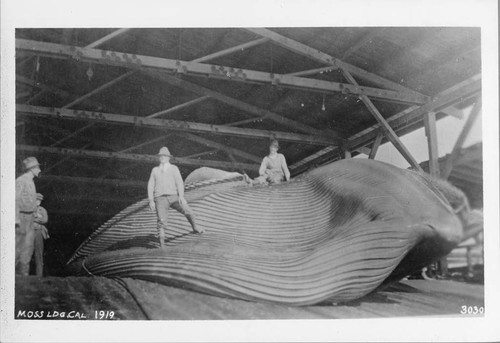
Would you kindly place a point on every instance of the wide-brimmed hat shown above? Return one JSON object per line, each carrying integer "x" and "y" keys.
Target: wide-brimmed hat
{"x": 30, "y": 162}
{"x": 39, "y": 196}
{"x": 164, "y": 152}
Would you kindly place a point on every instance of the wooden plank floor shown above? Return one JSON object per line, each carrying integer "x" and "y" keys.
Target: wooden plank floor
{"x": 137, "y": 299}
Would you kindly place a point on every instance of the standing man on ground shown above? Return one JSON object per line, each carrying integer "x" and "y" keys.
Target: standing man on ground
{"x": 25, "y": 216}
{"x": 165, "y": 190}
{"x": 41, "y": 234}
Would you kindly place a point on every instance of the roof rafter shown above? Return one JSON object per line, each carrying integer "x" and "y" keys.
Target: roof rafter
{"x": 137, "y": 157}
{"x": 91, "y": 45}
{"x": 108, "y": 37}
{"x": 461, "y": 138}
{"x": 230, "y": 50}
{"x": 362, "y": 41}
{"x": 453, "y": 95}
{"x": 178, "y": 107}
{"x": 164, "y": 124}
{"x": 330, "y": 60}
{"x": 389, "y": 132}
{"x": 238, "y": 104}
{"x": 206, "y": 70}
{"x": 95, "y": 181}
{"x": 100, "y": 88}
{"x": 222, "y": 147}
{"x": 204, "y": 59}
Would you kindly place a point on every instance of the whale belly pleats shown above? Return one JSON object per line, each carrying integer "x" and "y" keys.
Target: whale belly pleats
{"x": 334, "y": 235}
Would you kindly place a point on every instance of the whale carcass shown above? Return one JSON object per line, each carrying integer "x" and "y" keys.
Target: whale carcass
{"x": 334, "y": 234}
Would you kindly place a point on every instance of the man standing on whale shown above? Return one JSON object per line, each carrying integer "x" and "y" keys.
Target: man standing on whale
{"x": 165, "y": 190}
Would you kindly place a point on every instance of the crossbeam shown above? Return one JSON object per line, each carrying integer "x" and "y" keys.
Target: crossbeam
{"x": 175, "y": 125}
{"x": 227, "y": 149}
{"x": 133, "y": 61}
{"x": 330, "y": 60}
{"x": 389, "y": 132}
{"x": 448, "y": 97}
{"x": 153, "y": 159}
{"x": 461, "y": 138}
{"x": 414, "y": 114}
{"x": 94, "y": 181}
{"x": 238, "y": 104}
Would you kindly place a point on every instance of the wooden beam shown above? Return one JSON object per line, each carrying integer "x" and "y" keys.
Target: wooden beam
{"x": 62, "y": 160}
{"x": 245, "y": 121}
{"x": 389, "y": 132}
{"x": 230, "y": 50}
{"x": 41, "y": 86}
{"x": 174, "y": 125}
{"x": 178, "y": 107}
{"x": 107, "y": 37}
{"x": 461, "y": 139}
{"x": 364, "y": 150}
{"x": 84, "y": 97}
{"x": 99, "y": 89}
{"x": 432, "y": 144}
{"x": 453, "y": 112}
{"x": 145, "y": 143}
{"x": 86, "y": 198}
{"x": 20, "y": 95}
{"x": 313, "y": 71}
{"x": 330, "y": 60}
{"x": 85, "y": 211}
{"x": 73, "y": 134}
{"x": 93, "y": 180}
{"x": 206, "y": 70}
{"x": 451, "y": 96}
{"x": 238, "y": 104}
{"x": 376, "y": 145}
{"x": 346, "y": 154}
{"x": 212, "y": 144}
{"x": 153, "y": 159}
{"x": 50, "y": 89}
{"x": 373, "y": 32}
{"x": 466, "y": 177}
{"x": 91, "y": 45}
{"x": 204, "y": 153}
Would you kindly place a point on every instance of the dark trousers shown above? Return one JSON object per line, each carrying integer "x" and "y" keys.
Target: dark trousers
{"x": 25, "y": 240}
{"x": 39, "y": 242}
{"x": 163, "y": 203}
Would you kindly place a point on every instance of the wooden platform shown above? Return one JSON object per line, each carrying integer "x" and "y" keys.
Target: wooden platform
{"x": 140, "y": 300}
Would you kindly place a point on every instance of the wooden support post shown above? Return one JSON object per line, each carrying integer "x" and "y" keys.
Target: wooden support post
{"x": 461, "y": 139}
{"x": 376, "y": 145}
{"x": 432, "y": 145}
{"x": 346, "y": 154}
{"x": 391, "y": 135}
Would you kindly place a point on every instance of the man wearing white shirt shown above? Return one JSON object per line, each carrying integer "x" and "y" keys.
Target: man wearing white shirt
{"x": 165, "y": 190}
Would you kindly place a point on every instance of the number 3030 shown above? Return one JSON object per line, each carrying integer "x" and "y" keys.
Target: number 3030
{"x": 472, "y": 310}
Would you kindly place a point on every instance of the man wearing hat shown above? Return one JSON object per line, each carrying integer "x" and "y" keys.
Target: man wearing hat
{"x": 25, "y": 209}
{"x": 165, "y": 190}
{"x": 41, "y": 234}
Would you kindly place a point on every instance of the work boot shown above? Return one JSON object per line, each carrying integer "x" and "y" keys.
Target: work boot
{"x": 195, "y": 227}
